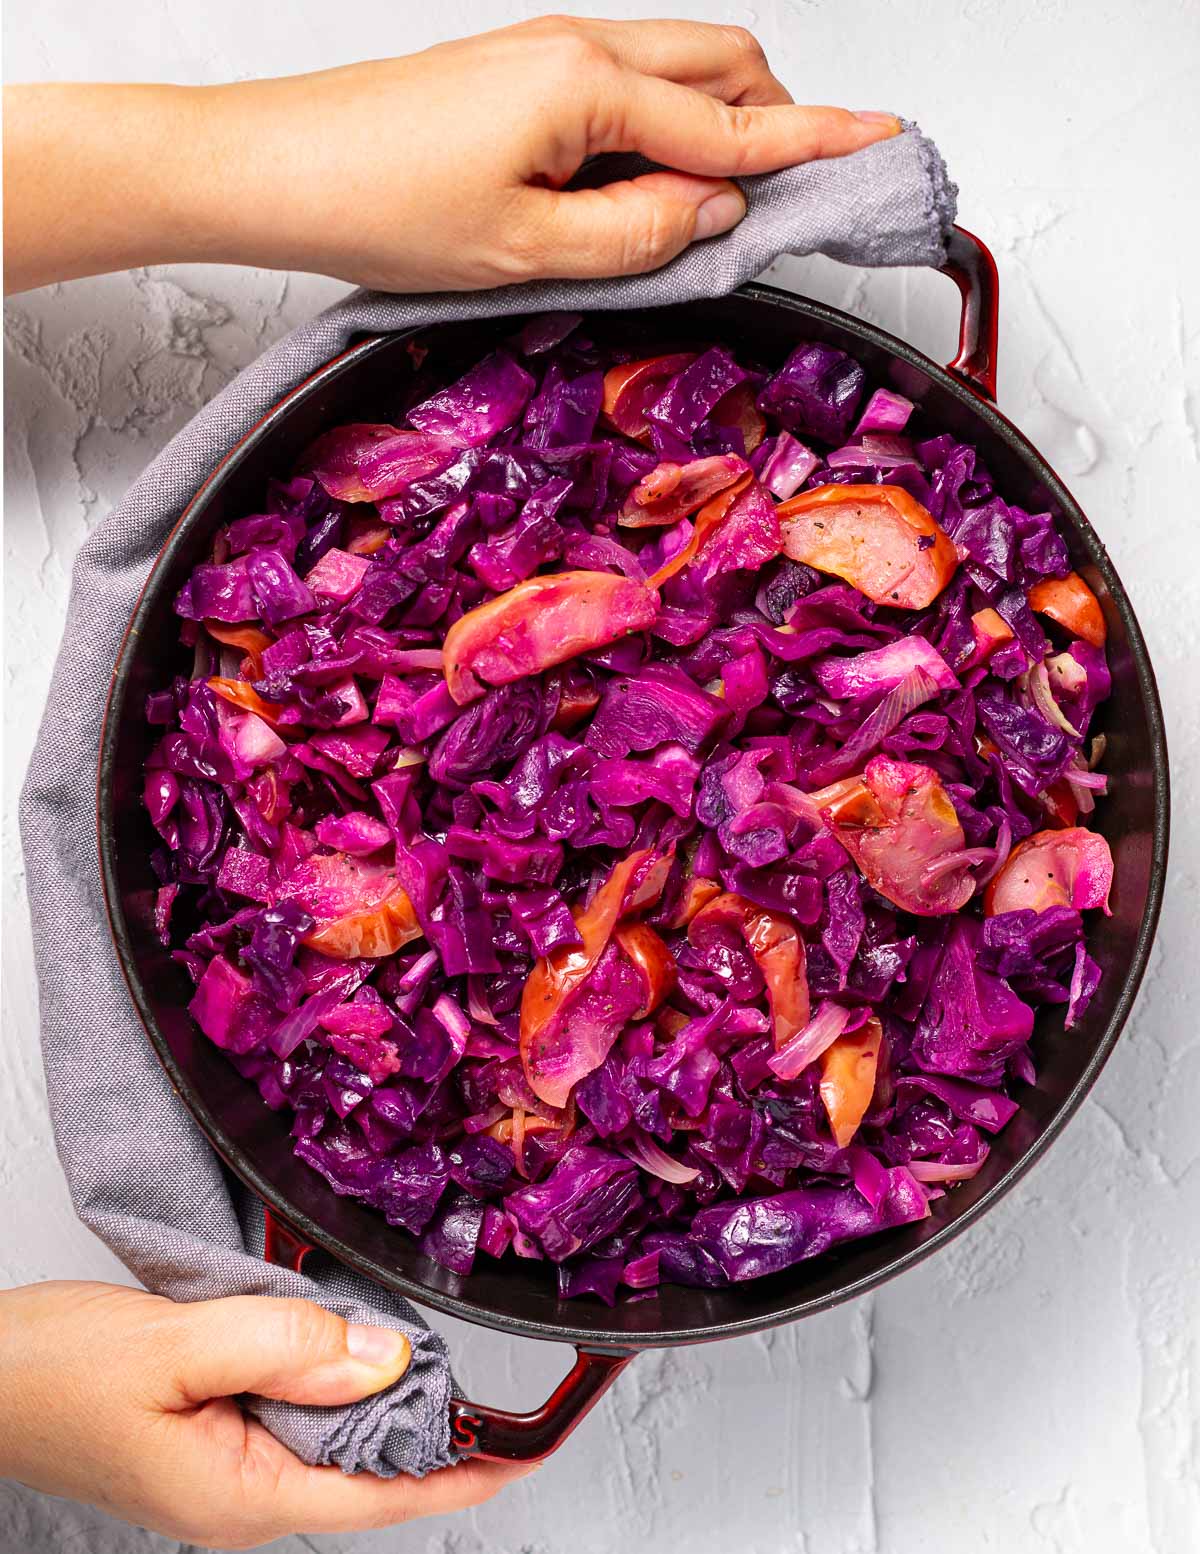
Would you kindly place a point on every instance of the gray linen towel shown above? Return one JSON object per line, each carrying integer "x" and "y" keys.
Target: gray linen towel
{"x": 140, "y": 1172}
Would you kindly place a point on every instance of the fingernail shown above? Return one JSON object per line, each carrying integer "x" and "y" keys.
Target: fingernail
{"x": 377, "y": 1346}
{"x": 870, "y": 116}
{"x": 718, "y": 213}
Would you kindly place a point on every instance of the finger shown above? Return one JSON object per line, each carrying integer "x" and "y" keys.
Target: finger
{"x": 699, "y": 134}
{"x": 289, "y": 1349}
{"x": 315, "y": 1500}
{"x": 726, "y": 62}
{"x": 630, "y": 227}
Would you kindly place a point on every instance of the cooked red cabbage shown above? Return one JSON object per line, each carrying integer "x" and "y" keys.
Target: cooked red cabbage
{"x": 608, "y": 851}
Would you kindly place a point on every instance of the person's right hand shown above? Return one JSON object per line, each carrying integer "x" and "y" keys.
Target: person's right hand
{"x": 128, "y": 1401}
{"x": 443, "y": 170}
{"x": 439, "y": 171}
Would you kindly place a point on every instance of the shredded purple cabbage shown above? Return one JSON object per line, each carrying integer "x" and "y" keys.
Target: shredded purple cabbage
{"x": 593, "y": 856}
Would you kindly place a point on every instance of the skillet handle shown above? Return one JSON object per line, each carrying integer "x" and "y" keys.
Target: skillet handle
{"x": 281, "y": 1245}
{"x": 480, "y": 1431}
{"x": 477, "y": 1430}
{"x": 971, "y": 267}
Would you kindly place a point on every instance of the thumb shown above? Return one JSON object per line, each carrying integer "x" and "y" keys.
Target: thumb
{"x": 291, "y": 1349}
{"x": 633, "y": 226}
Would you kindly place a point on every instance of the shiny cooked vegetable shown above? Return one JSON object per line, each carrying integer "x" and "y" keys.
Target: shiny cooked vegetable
{"x": 628, "y": 811}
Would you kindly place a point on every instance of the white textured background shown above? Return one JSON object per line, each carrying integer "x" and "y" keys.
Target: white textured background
{"x": 1036, "y": 1388}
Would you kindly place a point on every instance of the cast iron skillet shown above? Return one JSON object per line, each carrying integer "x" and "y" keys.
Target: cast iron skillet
{"x": 303, "y": 1214}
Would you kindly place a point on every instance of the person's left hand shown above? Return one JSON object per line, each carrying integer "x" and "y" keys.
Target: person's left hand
{"x": 128, "y": 1401}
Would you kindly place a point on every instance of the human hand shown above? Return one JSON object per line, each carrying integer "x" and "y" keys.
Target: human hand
{"x": 126, "y": 1400}
{"x": 442, "y": 170}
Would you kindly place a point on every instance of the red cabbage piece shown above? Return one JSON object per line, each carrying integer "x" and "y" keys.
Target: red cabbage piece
{"x": 219, "y": 592}
{"x": 586, "y": 1197}
{"x": 972, "y": 1021}
{"x": 785, "y": 465}
{"x": 368, "y": 462}
{"x": 747, "y": 1239}
{"x": 278, "y": 592}
{"x": 480, "y": 404}
{"x": 886, "y": 411}
{"x": 815, "y": 393}
{"x": 453, "y": 1234}
{"x": 881, "y": 669}
{"x": 657, "y": 706}
{"x": 540, "y": 839}
{"x": 692, "y": 395}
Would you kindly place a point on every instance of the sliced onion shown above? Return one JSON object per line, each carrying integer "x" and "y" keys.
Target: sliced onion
{"x": 912, "y": 692}
{"x": 477, "y": 1005}
{"x": 810, "y": 1040}
{"x": 1080, "y": 995}
{"x": 417, "y": 972}
{"x": 962, "y": 858}
{"x": 1084, "y": 785}
{"x": 412, "y": 660}
{"x": 854, "y": 457}
{"x": 890, "y": 445}
{"x": 652, "y": 1157}
{"x": 1065, "y": 673}
{"x": 481, "y": 1121}
{"x": 936, "y": 1171}
{"x": 518, "y": 1140}
{"x": 1004, "y": 843}
{"x": 1038, "y": 684}
{"x": 450, "y": 1016}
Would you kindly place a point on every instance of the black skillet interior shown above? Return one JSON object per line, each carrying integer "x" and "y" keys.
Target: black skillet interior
{"x": 373, "y": 382}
